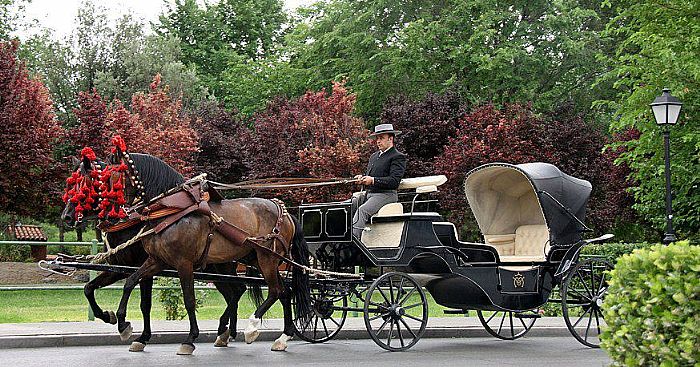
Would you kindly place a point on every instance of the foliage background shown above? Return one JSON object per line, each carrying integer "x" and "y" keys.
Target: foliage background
{"x": 247, "y": 89}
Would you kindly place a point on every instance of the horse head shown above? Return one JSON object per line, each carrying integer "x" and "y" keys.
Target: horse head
{"x": 81, "y": 195}
{"x": 124, "y": 181}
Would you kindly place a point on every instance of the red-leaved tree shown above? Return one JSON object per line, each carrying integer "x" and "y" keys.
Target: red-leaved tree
{"x": 426, "y": 125}
{"x": 29, "y": 178}
{"x": 514, "y": 134}
{"x": 155, "y": 125}
{"x": 224, "y": 141}
{"x": 312, "y": 136}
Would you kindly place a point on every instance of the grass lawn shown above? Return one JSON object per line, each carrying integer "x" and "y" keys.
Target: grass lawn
{"x": 71, "y": 305}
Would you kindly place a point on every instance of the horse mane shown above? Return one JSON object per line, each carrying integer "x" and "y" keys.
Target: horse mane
{"x": 156, "y": 175}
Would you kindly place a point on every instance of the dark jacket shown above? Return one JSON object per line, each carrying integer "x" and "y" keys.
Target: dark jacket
{"x": 387, "y": 170}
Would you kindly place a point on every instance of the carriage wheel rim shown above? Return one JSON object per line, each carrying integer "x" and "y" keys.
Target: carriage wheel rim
{"x": 393, "y": 311}
{"x": 321, "y": 327}
{"x": 586, "y": 326}
{"x": 506, "y": 323}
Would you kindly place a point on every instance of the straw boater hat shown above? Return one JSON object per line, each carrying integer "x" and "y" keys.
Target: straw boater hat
{"x": 385, "y": 129}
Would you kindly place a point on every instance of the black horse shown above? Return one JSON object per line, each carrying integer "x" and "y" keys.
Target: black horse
{"x": 159, "y": 178}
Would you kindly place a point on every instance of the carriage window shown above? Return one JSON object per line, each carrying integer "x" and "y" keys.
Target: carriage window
{"x": 311, "y": 222}
{"x": 336, "y": 222}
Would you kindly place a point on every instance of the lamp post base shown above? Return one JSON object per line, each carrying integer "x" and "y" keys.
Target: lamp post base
{"x": 668, "y": 238}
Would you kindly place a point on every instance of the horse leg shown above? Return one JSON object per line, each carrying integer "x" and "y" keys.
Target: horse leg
{"x": 285, "y": 298}
{"x": 224, "y": 332}
{"x": 146, "y": 287}
{"x": 186, "y": 273}
{"x": 149, "y": 268}
{"x": 102, "y": 280}
{"x": 232, "y": 293}
{"x": 268, "y": 268}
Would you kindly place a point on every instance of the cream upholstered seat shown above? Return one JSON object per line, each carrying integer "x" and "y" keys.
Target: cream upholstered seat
{"x": 528, "y": 243}
{"x": 389, "y": 210}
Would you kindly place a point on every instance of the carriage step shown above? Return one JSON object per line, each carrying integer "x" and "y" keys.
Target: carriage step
{"x": 455, "y": 312}
{"x": 527, "y": 315}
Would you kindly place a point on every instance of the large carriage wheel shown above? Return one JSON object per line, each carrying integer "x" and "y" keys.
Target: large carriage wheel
{"x": 396, "y": 311}
{"x": 582, "y": 295}
{"x": 327, "y": 315}
{"x": 507, "y": 325}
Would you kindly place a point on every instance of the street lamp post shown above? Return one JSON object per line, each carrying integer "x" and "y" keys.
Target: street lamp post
{"x": 666, "y": 109}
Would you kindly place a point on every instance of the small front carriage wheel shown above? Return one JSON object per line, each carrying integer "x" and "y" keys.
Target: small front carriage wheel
{"x": 327, "y": 315}
{"x": 507, "y": 325}
{"x": 582, "y": 297}
{"x": 396, "y": 311}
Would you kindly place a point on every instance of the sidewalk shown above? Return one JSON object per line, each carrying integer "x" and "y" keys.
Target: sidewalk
{"x": 62, "y": 334}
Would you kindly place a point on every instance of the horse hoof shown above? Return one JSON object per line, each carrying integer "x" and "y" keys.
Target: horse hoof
{"x": 222, "y": 340}
{"x": 137, "y": 347}
{"x": 251, "y": 335}
{"x": 185, "y": 349}
{"x": 281, "y": 343}
{"x": 279, "y": 346}
{"x": 125, "y": 334}
{"x": 112, "y": 317}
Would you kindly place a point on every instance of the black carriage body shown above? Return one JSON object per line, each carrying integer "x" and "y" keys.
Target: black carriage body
{"x": 475, "y": 276}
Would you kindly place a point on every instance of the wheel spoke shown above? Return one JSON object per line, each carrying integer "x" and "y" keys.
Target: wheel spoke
{"x": 592, "y": 280}
{"x": 583, "y": 281}
{"x": 391, "y": 291}
{"x": 391, "y": 333}
{"x": 523, "y": 322}
{"x": 335, "y": 322}
{"x": 382, "y": 327}
{"x": 581, "y": 318}
{"x": 501, "y": 326}
{"x": 512, "y": 330}
{"x": 325, "y": 328}
{"x": 579, "y": 293}
{"x": 379, "y": 289}
{"x": 588, "y": 327}
{"x": 398, "y": 330}
{"x": 378, "y": 316}
{"x": 378, "y": 305}
{"x": 492, "y": 316}
{"x": 413, "y": 318}
{"x": 413, "y": 305}
{"x": 408, "y": 328}
{"x": 597, "y": 321}
{"x": 407, "y": 296}
{"x": 315, "y": 326}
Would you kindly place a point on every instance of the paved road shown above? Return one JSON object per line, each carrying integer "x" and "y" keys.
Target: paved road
{"x": 533, "y": 351}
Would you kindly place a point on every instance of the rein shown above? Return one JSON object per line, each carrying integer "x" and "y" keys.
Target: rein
{"x": 281, "y": 183}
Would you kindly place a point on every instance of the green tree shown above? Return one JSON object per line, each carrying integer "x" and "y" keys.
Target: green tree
{"x": 489, "y": 50}
{"x": 134, "y": 58}
{"x": 658, "y": 43}
{"x": 225, "y": 37}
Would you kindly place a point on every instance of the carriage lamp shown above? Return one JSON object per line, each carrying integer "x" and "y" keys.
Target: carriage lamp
{"x": 666, "y": 109}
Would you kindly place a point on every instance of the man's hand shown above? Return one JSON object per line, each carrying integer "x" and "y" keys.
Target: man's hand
{"x": 366, "y": 180}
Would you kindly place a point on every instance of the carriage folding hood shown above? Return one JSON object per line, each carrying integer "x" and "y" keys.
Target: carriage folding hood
{"x": 504, "y": 197}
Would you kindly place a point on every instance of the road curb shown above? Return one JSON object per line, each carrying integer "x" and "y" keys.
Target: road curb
{"x": 208, "y": 337}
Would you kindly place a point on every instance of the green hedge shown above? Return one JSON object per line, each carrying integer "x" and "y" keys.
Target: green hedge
{"x": 653, "y": 307}
{"x": 612, "y": 251}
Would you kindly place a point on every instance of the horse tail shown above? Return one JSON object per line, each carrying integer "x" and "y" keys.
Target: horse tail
{"x": 300, "y": 279}
{"x": 255, "y": 289}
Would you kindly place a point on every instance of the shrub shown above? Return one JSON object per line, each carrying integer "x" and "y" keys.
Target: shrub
{"x": 653, "y": 307}
{"x": 170, "y": 296}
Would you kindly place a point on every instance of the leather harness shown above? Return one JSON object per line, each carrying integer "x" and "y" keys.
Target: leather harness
{"x": 189, "y": 198}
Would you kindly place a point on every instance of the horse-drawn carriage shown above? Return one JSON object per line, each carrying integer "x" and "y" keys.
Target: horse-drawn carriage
{"x": 531, "y": 218}
{"x": 530, "y": 215}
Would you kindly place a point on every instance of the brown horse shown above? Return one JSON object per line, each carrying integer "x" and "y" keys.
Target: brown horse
{"x": 182, "y": 245}
{"x": 158, "y": 179}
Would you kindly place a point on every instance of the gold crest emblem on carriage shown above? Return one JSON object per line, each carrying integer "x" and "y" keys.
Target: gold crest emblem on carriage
{"x": 518, "y": 280}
